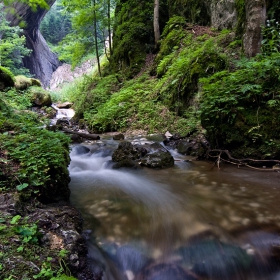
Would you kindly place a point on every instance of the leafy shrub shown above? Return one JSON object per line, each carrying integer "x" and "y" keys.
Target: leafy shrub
{"x": 271, "y": 37}
{"x": 40, "y": 157}
{"x": 198, "y": 57}
{"x": 239, "y": 109}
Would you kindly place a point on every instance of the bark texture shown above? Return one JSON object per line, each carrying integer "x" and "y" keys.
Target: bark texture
{"x": 255, "y": 18}
{"x": 156, "y": 21}
{"x": 42, "y": 62}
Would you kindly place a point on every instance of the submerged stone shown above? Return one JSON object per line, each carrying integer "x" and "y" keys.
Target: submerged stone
{"x": 215, "y": 259}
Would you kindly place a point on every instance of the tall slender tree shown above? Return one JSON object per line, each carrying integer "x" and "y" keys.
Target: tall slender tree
{"x": 95, "y": 36}
{"x": 156, "y": 22}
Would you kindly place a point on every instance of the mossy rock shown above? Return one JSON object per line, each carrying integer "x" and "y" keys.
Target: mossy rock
{"x": 6, "y": 78}
{"x": 40, "y": 97}
{"x": 22, "y": 82}
{"x": 35, "y": 82}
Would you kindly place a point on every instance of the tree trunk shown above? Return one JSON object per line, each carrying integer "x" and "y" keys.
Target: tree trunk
{"x": 96, "y": 37}
{"x": 255, "y": 19}
{"x": 109, "y": 25}
{"x": 156, "y": 22}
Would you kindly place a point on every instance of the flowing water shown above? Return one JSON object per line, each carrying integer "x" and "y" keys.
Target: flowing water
{"x": 191, "y": 221}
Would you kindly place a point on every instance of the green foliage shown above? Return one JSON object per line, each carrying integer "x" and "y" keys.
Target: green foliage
{"x": 56, "y": 24}
{"x": 17, "y": 100}
{"x": 197, "y": 57}
{"x": 238, "y": 108}
{"x": 172, "y": 35}
{"x": 133, "y": 36}
{"x": 28, "y": 147}
{"x": 7, "y": 78}
{"x": 88, "y": 93}
{"x": 194, "y": 11}
{"x": 37, "y": 161}
{"x": 20, "y": 237}
{"x": 12, "y": 46}
{"x": 134, "y": 106}
{"x": 271, "y": 37}
{"x": 34, "y": 4}
{"x": 241, "y": 14}
{"x": 80, "y": 42}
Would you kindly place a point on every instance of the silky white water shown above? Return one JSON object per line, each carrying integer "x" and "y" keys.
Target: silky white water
{"x": 162, "y": 214}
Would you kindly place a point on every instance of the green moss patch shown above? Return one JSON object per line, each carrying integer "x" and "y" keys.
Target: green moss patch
{"x": 6, "y": 78}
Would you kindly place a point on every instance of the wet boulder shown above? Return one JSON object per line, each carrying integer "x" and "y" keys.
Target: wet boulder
{"x": 80, "y": 150}
{"x": 192, "y": 145}
{"x": 126, "y": 155}
{"x": 64, "y": 105}
{"x": 264, "y": 246}
{"x": 165, "y": 271}
{"x": 118, "y": 136}
{"x": 157, "y": 157}
{"x": 216, "y": 260}
{"x": 129, "y": 258}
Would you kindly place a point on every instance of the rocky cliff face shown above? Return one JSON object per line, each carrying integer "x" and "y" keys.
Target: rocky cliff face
{"x": 42, "y": 62}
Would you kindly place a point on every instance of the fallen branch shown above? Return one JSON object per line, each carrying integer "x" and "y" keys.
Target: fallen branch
{"x": 84, "y": 135}
{"x": 242, "y": 162}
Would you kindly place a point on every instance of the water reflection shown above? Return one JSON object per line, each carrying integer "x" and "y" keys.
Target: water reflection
{"x": 191, "y": 221}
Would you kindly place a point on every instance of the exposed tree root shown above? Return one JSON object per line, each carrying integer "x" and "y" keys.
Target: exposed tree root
{"x": 225, "y": 156}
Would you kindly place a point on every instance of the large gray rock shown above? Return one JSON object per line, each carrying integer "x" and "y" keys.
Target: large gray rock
{"x": 42, "y": 62}
{"x": 223, "y": 14}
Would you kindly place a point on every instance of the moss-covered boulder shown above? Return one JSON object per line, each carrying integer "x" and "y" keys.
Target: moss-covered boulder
{"x": 6, "y": 78}
{"x": 39, "y": 96}
{"x": 23, "y": 83}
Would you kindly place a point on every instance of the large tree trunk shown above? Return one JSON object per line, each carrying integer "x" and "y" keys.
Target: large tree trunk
{"x": 42, "y": 62}
{"x": 255, "y": 18}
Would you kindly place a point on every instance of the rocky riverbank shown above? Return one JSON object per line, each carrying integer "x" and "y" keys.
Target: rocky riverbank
{"x": 42, "y": 241}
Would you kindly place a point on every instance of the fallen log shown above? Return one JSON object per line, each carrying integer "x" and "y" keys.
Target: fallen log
{"x": 83, "y": 135}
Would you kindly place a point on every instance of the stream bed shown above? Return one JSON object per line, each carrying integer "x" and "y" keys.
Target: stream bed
{"x": 191, "y": 221}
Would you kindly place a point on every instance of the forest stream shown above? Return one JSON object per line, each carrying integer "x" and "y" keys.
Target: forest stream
{"x": 190, "y": 221}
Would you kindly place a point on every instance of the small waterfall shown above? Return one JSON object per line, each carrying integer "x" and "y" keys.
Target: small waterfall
{"x": 66, "y": 114}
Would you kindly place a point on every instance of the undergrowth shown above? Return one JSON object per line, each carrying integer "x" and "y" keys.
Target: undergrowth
{"x": 33, "y": 158}
{"x": 240, "y": 109}
{"x": 198, "y": 81}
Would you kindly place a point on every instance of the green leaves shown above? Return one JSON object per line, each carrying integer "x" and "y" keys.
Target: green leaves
{"x": 12, "y": 45}
{"x": 15, "y": 219}
{"x": 21, "y": 187}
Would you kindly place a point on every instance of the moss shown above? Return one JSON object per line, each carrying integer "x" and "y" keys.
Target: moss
{"x": 22, "y": 82}
{"x": 133, "y": 36}
{"x": 194, "y": 11}
{"x": 172, "y": 36}
{"x": 241, "y": 15}
{"x": 7, "y": 78}
{"x": 39, "y": 96}
{"x": 197, "y": 57}
{"x": 36, "y": 82}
